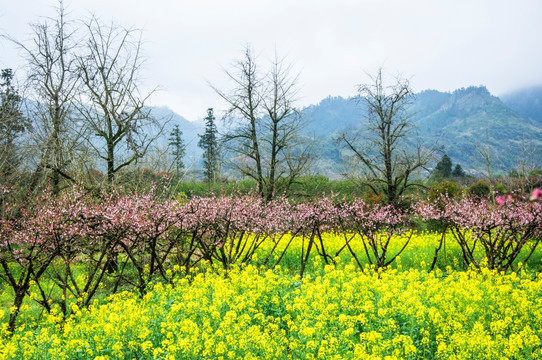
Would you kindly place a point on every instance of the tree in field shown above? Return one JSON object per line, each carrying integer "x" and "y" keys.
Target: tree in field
{"x": 264, "y": 125}
{"x": 444, "y": 167}
{"x": 209, "y": 143}
{"x": 179, "y": 149}
{"x": 112, "y": 104}
{"x": 382, "y": 149}
{"x": 53, "y": 83}
{"x": 12, "y": 125}
{"x": 458, "y": 171}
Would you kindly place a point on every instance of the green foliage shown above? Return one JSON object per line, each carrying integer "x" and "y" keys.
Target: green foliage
{"x": 198, "y": 188}
{"x": 209, "y": 143}
{"x": 501, "y": 189}
{"x": 446, "y": 188}
{"x": 458, "y": 172}
{"x": 12, "y": 125}
{"x": 479, "y": 189}
{"x": 314, "y": 186}
{"x": 179, "y": 149}
{"x": 308, "y": 187}
{"x": 444, "y": 167}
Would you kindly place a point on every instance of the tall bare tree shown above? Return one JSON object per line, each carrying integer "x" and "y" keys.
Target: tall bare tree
{"x": 386, "y": 147}
{"x": 113, "y": 105}
{"x": 52, "y": 81}
{"x": 264, "y": 124}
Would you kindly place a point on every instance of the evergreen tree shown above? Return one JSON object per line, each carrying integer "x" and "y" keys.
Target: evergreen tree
{"x": 458, "y": 171}
{"x": 179, "y": 149}
{"x": 209, "y": 143}
{"x": 12, "y": 125}
{"x": 444, "y": 167}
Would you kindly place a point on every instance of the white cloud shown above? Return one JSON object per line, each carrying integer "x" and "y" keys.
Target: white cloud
{"x": 440, "y": 45}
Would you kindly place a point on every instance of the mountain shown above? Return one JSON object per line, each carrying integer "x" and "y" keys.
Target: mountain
{"x": 527, "y": 102}
{"x": 330, "y": 115}
{"x": 464, "y": 123}
{"x": 471, "y": 120}
{"x": 190, "y": 131}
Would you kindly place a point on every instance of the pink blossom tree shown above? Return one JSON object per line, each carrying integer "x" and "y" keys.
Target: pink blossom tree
{"x": 377, "y": 225}
{"x": 498, "y": 231}
{"x": 31, "y": 237}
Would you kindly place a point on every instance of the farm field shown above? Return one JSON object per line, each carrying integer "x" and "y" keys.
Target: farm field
{"x": 270, "y": 180}
{"x": 333, "y": 312}
{"x": 138, "y": 277}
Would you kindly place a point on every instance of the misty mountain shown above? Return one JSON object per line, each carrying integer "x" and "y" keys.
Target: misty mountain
{"x": 462, "y": 123}
{"x": 527, "y": 102}
{"x": 190, "y": 131}
{"x": 330, "y": 115}
{"x": 469, "y": 121}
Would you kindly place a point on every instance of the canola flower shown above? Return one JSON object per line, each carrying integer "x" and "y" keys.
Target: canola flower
{"x": 335, "y": 313}
{"x": 139, "y": 237}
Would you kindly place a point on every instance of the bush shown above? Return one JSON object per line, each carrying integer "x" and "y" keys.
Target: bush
{"x": 501, "y": 189}
{"x": 479, "y": 189}
{"x": 370, "y": 197}
{"x": 445, "y": 188}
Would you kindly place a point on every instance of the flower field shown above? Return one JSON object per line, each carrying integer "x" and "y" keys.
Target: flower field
{"x": 335, "y": 313}
{"x": 136, "y": 277}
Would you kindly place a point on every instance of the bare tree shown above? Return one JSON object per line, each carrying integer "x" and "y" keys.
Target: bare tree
{"x": 485, "y": 152}
{"x": 112, "y": 104}
{"x": 52, "y": 82}
{"x": 387, "y": 160}
{"x": 264, "y": 125}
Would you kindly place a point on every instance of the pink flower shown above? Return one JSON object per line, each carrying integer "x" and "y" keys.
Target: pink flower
{"x": 537, "y": 194}
{"x": 501, "y": 199}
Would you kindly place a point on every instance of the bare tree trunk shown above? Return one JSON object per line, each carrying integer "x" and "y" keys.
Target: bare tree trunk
{"x": 385, "y": 165}
{"x": 53, "y": 83}
{"x": 267, "y": 136}
{"x": 114, "y": 108}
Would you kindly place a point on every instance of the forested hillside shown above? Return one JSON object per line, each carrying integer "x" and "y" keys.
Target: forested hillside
{"x": 468, "y": 124}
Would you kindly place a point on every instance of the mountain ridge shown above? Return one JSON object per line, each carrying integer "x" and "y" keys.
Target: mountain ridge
{"x": 465, "y": 123}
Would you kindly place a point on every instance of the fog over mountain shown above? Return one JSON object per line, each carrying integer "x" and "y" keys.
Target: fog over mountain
{"x": 461, "y": 123}
{"x": 187, "y": 44}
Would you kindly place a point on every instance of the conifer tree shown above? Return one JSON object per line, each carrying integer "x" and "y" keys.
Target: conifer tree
{"x": 458, "y": 171}
{"x": 209, "y": 143}
{"x": 12, "y": 125}
{"x": 179, "y": 149}
{"x": 444, "y": 167}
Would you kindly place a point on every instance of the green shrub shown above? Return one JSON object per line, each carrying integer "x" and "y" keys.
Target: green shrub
{"x": 479, "y": 189}
{"x": 448, "y": 188}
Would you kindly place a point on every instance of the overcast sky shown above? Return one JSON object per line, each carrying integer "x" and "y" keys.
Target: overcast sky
{"x": 438, "y": 44}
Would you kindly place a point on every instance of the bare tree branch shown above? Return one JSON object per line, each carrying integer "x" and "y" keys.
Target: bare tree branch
{"x": 112, "y": 105}
{"x": 386, "y": 162}
{"x": 264, "y": 125}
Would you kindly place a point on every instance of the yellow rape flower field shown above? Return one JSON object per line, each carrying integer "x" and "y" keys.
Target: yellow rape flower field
{"x": 333, "y": 312}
